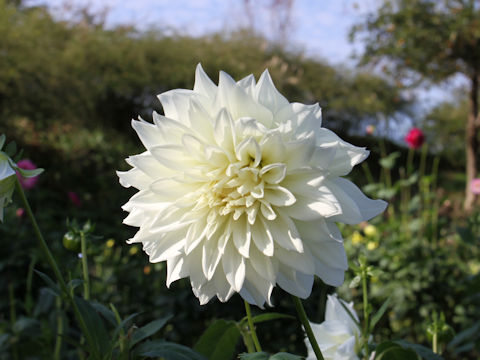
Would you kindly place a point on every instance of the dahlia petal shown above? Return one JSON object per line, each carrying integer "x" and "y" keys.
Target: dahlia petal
{"x": 303, "y": 120}
{"x": 273, "y": 173}
{"x": 176, "y": 103}
{"x": 223, "y": 130}
{"x": 201, "y": 122}
{"x": 294, "y": 282}
{"x": 194, "y": 147}
{"x": 356, "y": 207}
{"x": 166, "y": 247}
{"x": 234, "y": 267}
{"x": 223, "y": 288}
{"x": 273, "y": 149}
{"x": 318, "y": 231}
{"x": 262, "y": 238}
{"x": 248, "y": 84}
{"x": 211, "y": 255}
{"x": 256, "y": 290}
{"x": 175, "y": 269}
{"x": 173, "y": 157}
{"x": 262, "y": 265}
{"x": 239, "y": 103}
{"x": 307, "y": 210}
{"x": 346, "y": 155}
{"x": 285, "y": 234}
{"x": 203, "y": 84}
{"x": 134, "y": 177}
{"x": 303, "y": 263}
{"x": 331, "y": 253}
{"x": 148, "y": 133}
{"x": 242, "y": 236}
{"x": 249, "y": 149}
{"x": 299, "y": 153}
{"x": 171, "y": 130}
{"x": 279, "y": 196}
{"x": 268, "y": 95}
{"x": 195, "y": 234}
{"x": 170, "y": 188}
{"x": 330, "y": 276}
{"x": 147, "y": 163}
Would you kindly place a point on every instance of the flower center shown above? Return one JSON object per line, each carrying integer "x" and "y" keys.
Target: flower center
{"x": 239, "y": 191}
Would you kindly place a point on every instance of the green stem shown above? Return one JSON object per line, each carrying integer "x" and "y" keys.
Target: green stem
{"x": 86, "y": 278}
{"x": 122, "y": 340}
{"x": 365, "y": 312}
{"x": 306, "y": 325}
{"x": 253, "y": 333}
{"x": 53, "y": 264}
{"x": 58, "y": 340}
{"x": 28, "y": 295}
{"x": 435, "y": 343}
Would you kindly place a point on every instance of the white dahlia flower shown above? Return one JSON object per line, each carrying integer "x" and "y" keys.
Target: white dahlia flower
{"x": 240, "y": 190}
{"x": 337, "y": 336}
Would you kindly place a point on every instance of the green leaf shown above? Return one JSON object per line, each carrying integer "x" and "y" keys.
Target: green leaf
{"x": 355, "y": 281}
{"x": 398, "y": 353}
{"x": 378, "y": 315}
{"x": 270, "y": 316}
{"x": 218, "y": 342}
{"x": 98, "y": 337}
{"x": 74, "y": 283}
{"x": 105, "y": 312}
{"x": 148, "y": 330}
{"x": 29, "y": 173}
{"x": 167, "y": 350}
{"x": 284, "y": 356}
{"x": 254, "y": 356}
{"x": 469, "y": 334}
{"x": 424, "y": 352}
{"x": 388, "y": 162}
{"x": 122, "y": 324}
{"x": 2, "y": 140}
{"x": 51, "y": 284}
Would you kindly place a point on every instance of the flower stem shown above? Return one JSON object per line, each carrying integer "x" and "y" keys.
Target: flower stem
{"x": 58, "y": 340}
{"x": 366, "y": 320}
{"x": 253, "y": 333}
{"x": 86, "y": 278}
{"x": 308, "y": 329}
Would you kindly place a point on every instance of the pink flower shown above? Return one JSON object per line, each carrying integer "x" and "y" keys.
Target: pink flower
{"x": 20, "y": 212}
{"x": 370, "y": 129}
{"x": 27, "y": 183}
{"x": 415, "y": 138}
{"x": 475, "y": 186}
{"x": 74, "y": 198}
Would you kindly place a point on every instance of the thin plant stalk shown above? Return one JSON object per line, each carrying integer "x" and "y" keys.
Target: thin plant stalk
{"x": 253, "y": 333}
{"x": 28, "y": 295}
{"x": 436, "y": 205}
{"x": 86, "y": 278}
{"x": 366, "y": 319}
{"x": 58, "y": 340}
{"x": 306, "y": 325}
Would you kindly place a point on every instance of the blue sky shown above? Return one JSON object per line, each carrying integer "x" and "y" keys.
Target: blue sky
{"x": 318, "y": 27}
